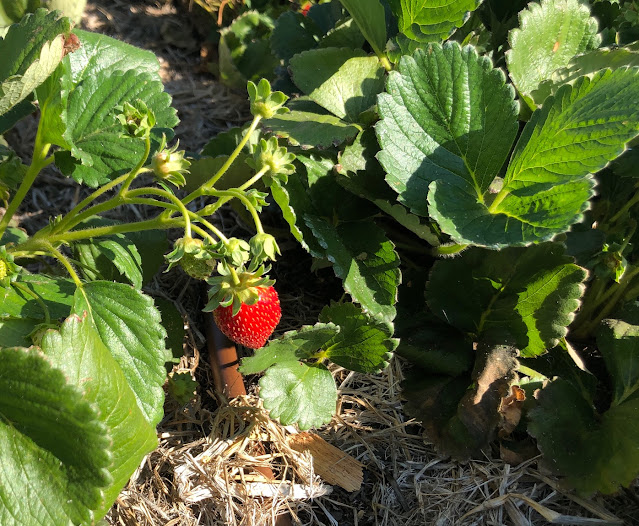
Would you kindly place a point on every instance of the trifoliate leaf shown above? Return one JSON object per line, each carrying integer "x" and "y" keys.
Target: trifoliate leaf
{"x": 130, "y": 326}
{"x": 431, "y": 20}
{"x": 447, "y": 116}
{"x": 293, "y": 346}
{"x": 364, "y": 259}
{"x": 341, "y": 80}
{"x": 299, "y": 393}
{"x": 550, "y": 34}
{"x": 524, "y": 297}
{"x": 548, "y": 182}
{"x": 363, "y": 344}
{"x": 54, "y": 449}
{"x": 78, "y": 351}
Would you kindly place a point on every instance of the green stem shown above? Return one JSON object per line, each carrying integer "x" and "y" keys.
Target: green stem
{"x": 254, "y": 179}
{"x": 624, "y": 209}
{"x": 227, "y": 195}
{"x": 497, "y": 201}
{"x": 66, "y": 264}
{"x": 62, "y": 225}
{"x": 612, "y": 300}
{"x": 383, "y": 60}
{"x": 36, "y": 297}
{"x": 211, "y": 182}
{"x": 167, "y": 195}
{"x": 133, "y": 173}
{"x": 38, "y": 162}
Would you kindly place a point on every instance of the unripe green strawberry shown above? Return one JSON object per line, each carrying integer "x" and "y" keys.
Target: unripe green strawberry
{"x": 253, "y": 324}
{"x": 195, "y": 267}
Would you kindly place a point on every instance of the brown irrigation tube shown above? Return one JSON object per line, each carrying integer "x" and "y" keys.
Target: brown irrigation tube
{"x": 229, "y": 382}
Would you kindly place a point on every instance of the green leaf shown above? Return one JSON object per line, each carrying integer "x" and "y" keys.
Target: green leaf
{"x": 56, "y": 293}
{"x": 363, "y": 344}
{"x": 98, "y": 149}
{"x": 54, "y": 449}
{"x": 618, "y": 342}
{"x": 343, "y": 81}
{"x": 291, "y": 347}
{"x": 371, "y": 19}
{"x": 548, "y": 182}
{"x": 77, "y": 350}
{"x": 201, "y": 170}
{"x": 17, "y": 113}
{"x": 299, "y": 393}
{"x": 585, "y": 64}
{"x": 130, "y": 326}
{"x": 173, "y": 323}
{"x": 596, "y": 452}
{"x": 447, "y": 116}
{"x": 344, "y": 34}
{"x": 329, "y": 201}
{"x": 151, "y": 245}
{"x": 362, "y": 175}
{"x": 460, "y": 413}
{"x": 431, "y": 20}
{"x": 365, "y": 260}
{"x": 102, "y": 54}
{"x": 311, "y": 129}
{"x": 22, "y": 45}
{"x": 524, "y": 296}
{"x": 244, "y": 52}
{"x": 16, "y": 88}
{"x": 550, "y": 34}
{"x": 436, "y": 348}
{"x": 293, "y": 33}
{"x": 109, "y": 257}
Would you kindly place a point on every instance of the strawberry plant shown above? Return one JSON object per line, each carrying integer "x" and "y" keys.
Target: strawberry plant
{"x": 485, "y": 150}
{"x": 82, "y": 344}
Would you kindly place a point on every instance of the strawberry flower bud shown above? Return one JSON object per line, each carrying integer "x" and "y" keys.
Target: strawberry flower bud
{"x": 170, "y": 165}
{"x": 264, "y": 246}
{"x": 236, "y": 251}
{"x": 274, "y": 157}
{"x": 137, "y": 120}
{"x": 265, "y": 103}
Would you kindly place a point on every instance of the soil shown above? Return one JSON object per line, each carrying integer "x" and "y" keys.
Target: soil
{"x": 192, "y": 477}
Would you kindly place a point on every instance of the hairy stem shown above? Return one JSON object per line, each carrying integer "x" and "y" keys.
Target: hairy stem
{"x": 36, "y": 297}
{"x": 39, "y": 161}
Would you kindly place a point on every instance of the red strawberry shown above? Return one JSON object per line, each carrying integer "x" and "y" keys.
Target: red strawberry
{"x": 253, "y": 324}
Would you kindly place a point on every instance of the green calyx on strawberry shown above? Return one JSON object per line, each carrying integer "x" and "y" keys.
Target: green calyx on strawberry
{"x": 194, "y": 256}
{"x": 245, "y": 305}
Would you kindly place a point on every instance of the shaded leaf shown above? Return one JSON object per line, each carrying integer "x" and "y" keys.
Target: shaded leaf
{"x": 365, "y": 260}
{"x": 56, "y": 293}
{"x": 596, "y": 452}
{"x": 292, "y": 34}
{"x": 370, "y": 17}
{"x": 54, "y": 449}
{"x": 524, "y": 297}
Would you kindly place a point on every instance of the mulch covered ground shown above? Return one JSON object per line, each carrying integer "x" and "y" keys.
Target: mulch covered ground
{"x": 200, "y": 472}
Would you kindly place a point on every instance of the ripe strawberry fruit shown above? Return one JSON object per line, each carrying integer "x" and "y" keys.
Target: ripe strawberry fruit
{"x": 253, "y": 324}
